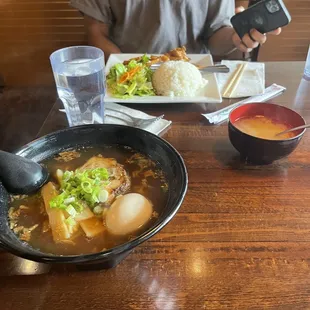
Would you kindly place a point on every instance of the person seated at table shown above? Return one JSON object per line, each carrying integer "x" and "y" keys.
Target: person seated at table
{"x": 157, "y": 26}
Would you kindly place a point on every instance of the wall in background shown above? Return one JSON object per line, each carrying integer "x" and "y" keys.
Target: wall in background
{"x": 31, "y": 29}
{"x": 294, "y": 42}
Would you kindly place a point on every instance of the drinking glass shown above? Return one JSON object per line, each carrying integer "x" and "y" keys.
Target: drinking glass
{"x": 307, "y": 67}
{"x": 80, "y": 81}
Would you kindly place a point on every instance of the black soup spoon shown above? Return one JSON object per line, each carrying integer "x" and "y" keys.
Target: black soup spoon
{"x": 20, "y": 175}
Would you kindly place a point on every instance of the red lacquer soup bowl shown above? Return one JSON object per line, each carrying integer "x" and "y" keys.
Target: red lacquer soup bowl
{"x": 261, "y": 150}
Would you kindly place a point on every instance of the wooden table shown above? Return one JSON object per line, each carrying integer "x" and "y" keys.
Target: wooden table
{"x": 241, "y": 239}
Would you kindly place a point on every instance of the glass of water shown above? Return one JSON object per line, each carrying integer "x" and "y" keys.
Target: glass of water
{"x": 307, "y": 67}
{"x": 80, "y": 80}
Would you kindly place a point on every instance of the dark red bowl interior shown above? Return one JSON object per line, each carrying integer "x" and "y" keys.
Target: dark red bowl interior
{"x": 275, "y": 112}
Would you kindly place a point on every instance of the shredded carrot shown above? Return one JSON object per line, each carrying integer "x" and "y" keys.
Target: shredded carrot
{"x": 124, "y": 78}
{"x": 134, "y": 71}
{"x": 127, "y": 75}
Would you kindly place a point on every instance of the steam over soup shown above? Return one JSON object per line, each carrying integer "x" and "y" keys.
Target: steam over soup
{"x": 96, "y": 199}
{"x": 263, "y": 127}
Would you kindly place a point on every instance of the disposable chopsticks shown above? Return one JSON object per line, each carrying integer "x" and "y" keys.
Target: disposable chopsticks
{"x": 233, "y": 83}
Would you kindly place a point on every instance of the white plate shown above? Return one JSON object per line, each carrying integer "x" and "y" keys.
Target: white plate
{"x": 211, "y": 93}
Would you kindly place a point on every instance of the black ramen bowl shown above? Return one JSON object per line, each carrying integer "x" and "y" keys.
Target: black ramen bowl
{"x": 263, "y": 151}
{"x": 91, "y": 136}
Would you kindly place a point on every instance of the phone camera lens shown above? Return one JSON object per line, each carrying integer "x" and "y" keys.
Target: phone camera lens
{"x": 272, "y": 6}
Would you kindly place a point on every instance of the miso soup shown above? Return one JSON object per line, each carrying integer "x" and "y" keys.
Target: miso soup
{"x": 263, "y": 127}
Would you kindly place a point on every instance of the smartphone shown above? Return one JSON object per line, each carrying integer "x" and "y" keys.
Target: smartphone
{"x": 264, "y": 16}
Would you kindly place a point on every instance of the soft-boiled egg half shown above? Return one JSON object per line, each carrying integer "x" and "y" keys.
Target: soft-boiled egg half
{"x": 128, "y": 213}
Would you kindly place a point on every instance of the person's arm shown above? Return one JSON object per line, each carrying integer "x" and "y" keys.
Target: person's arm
{"x": 225, "y": 40}
{"x": 98, "y": 35}
{"x": 98, "y": 17}
{"x": 220, "y": 43}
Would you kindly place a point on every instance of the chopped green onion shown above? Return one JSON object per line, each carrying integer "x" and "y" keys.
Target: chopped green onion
{"x": 101, "y": 173}
{"x": 70, "y": 221}
{"x": 82, "y": 186}
{"x": 78, "y": 207}
{"x": 103, "y": 195}
{"x": 98, "y": 210}
{"x": 71, "y": 210}
{"x": 67, "y": 186}
{"x": 59, "y": 174}
{"x": 86, "y": 187}
{"x": 67, "y": 175}
{"x": 69, "y": 200}
{"x": 95, "y": 196}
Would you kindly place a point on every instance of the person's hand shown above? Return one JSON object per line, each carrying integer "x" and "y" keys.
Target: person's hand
{"x": 252, "y": 40}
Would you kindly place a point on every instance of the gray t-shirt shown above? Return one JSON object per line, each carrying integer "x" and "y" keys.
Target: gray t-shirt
{"x": 157, "y": 26}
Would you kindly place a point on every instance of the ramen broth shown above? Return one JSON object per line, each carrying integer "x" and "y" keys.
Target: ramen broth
{"x": 263, "y": 127}
{"x": 30, "y": 222}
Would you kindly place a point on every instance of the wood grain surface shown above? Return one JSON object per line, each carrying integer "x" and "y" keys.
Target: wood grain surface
{"x": 241, "y": 239}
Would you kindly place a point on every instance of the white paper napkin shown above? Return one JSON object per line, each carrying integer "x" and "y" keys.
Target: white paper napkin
{"x": 155, "y": 128}
{"x": 113, "y": 117}
{"x": 252, "y": 82}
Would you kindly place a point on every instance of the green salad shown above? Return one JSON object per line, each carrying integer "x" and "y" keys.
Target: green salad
{"x": 133, "y": 79}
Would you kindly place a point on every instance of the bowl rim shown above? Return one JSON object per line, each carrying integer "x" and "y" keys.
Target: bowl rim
{"x": 122, "y": 248}
{"x": 263, "y": 139}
